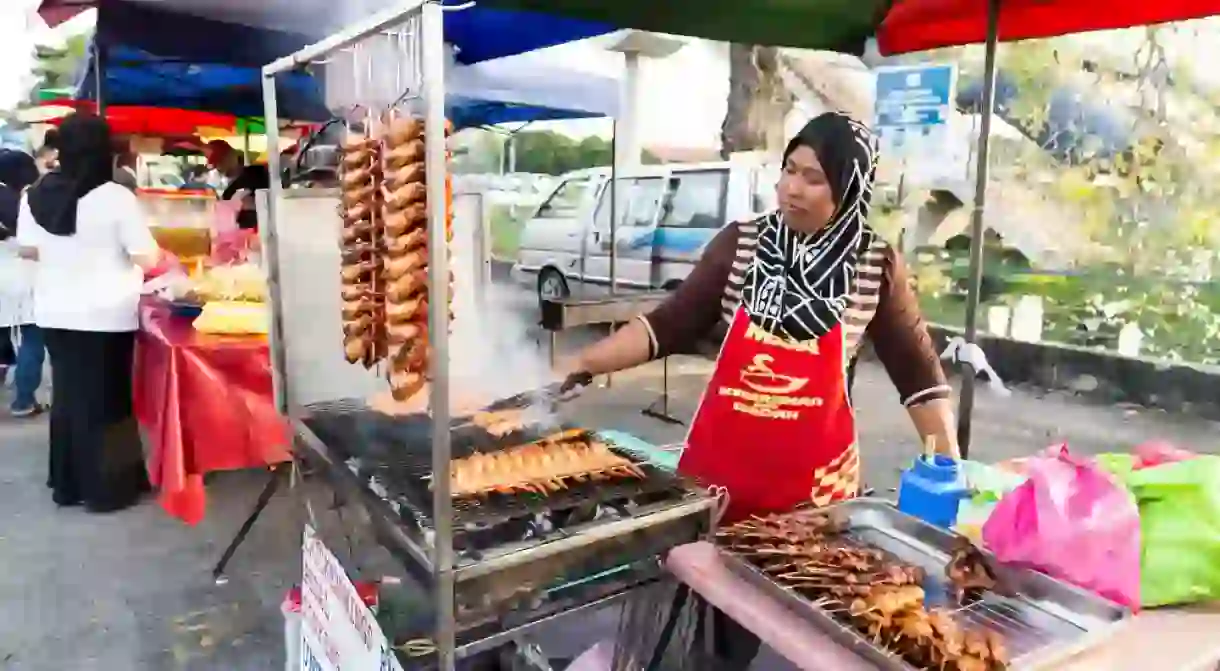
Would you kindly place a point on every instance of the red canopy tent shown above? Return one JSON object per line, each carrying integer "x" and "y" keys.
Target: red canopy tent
{"x": 150, "y": 121}
{"x": 917, "y": 25}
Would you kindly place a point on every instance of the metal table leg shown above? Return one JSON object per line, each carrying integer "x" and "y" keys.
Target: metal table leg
{"x": 273, "y": 484}
{"x": 662, "y": 413}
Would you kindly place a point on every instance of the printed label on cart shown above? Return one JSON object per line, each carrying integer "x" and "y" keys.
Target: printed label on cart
{"x": 338, "y": 631}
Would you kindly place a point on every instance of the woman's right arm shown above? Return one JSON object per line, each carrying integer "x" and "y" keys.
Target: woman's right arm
{"x": 134, "y": 235}
{"x": 686, "y": 316}
{"x": 27, "y": 247}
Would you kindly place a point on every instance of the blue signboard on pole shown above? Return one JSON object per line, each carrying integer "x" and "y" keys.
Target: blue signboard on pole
{"x": 918, "y": 95}
{"x": 915, "y": 104}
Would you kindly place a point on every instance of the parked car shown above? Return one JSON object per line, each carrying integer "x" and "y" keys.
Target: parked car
{"x": 666, "y": 215}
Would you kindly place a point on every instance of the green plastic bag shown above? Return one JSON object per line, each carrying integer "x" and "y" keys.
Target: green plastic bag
{"x": 1121, "y": 466}
{"x": 1180, "y": 521}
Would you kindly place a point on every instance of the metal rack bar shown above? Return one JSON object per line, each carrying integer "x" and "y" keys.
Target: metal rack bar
{"x": 433, "y": 36}
{"x": 271, "y": 257}
{"x": 433, "y": 84}
{"x": 344, "y": 38}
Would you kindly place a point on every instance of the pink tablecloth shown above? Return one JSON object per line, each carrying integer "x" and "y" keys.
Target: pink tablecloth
{"x": 206, "y": 405}
{"x": 1157, "y": 640}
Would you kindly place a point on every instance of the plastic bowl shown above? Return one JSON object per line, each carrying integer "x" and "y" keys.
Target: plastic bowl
{"x": 188, "y": 310}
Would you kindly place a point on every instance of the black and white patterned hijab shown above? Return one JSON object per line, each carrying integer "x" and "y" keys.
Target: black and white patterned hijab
{"x": 799, "y": 283}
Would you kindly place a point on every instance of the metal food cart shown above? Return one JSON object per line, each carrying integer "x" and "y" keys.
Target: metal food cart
{"x": 494, "y": 573}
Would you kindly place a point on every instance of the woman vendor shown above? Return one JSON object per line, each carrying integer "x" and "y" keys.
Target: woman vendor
{"x": 791, "y": 296}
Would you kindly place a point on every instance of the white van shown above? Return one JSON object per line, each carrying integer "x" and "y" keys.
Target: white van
{"x": 667, "y": 214}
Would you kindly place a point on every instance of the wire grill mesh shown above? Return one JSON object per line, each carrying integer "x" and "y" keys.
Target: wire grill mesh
{"x": 396, "y": 452}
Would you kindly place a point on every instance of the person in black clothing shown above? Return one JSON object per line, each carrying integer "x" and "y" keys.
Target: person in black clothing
{"x": 244, "y": 180}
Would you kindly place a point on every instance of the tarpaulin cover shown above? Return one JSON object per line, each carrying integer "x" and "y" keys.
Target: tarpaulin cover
{"x": 206, "y": 405}
{"x": 162, "y": 59}
{"x": 478, "y": 32}
{"x": 917, "y": 25}
{"x": 843, "y": 25}
{"x": 159, "y": 59}
{"x": 150, "y": 121}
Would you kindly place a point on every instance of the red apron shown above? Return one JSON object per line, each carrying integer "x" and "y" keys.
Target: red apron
{"x": 774, "y": 426}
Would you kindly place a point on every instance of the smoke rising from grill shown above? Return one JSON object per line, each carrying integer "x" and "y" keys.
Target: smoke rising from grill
{"x": 491, "y": 355}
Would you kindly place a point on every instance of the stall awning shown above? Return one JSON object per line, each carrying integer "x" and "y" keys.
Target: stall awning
{"x": 843, "y": 25}
{"x": 917, "y": 25}
{"x": 157, "y": 58}
{"x": 479, "y": 33}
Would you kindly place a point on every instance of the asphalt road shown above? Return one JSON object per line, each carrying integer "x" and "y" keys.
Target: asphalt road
{"x": 132, "y": 591}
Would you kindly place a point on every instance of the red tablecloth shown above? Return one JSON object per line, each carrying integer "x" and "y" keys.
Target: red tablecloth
{"x": 206, "y": 404}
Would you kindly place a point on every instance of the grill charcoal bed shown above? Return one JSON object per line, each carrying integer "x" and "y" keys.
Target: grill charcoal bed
{"x": 393, "y": 457}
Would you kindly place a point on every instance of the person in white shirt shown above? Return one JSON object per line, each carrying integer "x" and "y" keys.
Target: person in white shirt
{"x": 17, "y": 172}
{"x": 91, "y": 245}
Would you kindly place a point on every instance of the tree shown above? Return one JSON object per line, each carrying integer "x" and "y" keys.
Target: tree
{"x": 1128, "y": 141}
{"x": 757, "y": 102}
{"x": 58, "y": 68}
{"x": 551, "y": 153}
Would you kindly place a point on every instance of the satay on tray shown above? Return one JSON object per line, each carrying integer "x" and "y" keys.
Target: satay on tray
{"x": 543, "y": 467}
{"x": 878, "y": 596}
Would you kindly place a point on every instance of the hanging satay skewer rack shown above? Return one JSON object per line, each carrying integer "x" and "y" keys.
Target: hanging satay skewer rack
{"x": 509, "y": 518}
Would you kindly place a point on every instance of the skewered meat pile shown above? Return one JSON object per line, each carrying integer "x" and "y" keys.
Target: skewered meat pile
{"x": 542, "y": 467}
{"x": 405, "y": 262}
{"x": 499, "y": 423}
{"x": 361, "y": 265}
{"x": 864, "y": 587}
{"x": 969, "y": 572}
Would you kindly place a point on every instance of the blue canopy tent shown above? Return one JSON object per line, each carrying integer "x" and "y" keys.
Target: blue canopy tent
{"x": 159, "y": 58}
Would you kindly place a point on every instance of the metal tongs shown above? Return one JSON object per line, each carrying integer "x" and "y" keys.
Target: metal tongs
{"x": 548, "y": 398}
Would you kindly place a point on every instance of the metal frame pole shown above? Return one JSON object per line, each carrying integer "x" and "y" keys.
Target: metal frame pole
{"x": 99, "y": 76}
{"x": 965, "y": 406}
{"x": 433, "y": 70}
{"x": 376, "y": 23}
{"x": 269, "y": 237}
{"x": 614, "y": 208}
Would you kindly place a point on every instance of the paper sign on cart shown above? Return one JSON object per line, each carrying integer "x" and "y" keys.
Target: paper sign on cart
{"x": 338, "y": 631}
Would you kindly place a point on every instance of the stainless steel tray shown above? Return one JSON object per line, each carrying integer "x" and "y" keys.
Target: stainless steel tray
{"x": 1048, "y": 622}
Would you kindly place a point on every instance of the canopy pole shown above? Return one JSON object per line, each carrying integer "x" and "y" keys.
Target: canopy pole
{"x": 99, "y": 71}
{"x": 613, "y": 232}
{"x": 965, "y": 407}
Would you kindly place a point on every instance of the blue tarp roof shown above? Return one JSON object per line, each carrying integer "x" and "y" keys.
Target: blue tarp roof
{"x": 167, "y": 59}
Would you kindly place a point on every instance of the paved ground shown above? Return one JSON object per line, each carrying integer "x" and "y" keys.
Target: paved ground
{"x": 132, "y": 591}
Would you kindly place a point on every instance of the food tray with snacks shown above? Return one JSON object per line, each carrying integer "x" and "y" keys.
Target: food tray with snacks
{"x": 909, "y": 596}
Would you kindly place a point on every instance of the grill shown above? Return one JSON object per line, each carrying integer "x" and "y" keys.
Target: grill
{"x": 392, "y": 457}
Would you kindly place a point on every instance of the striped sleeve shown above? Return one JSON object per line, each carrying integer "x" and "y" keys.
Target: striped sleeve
{"x": 692, "y": 311}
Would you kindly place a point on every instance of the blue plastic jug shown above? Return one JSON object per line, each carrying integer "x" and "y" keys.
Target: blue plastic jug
{"x": 931, "y": 490}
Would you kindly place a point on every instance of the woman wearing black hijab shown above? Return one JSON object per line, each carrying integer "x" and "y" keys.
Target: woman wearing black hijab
{"x": 91, "y": 243}
{"x": 789, "y": 298}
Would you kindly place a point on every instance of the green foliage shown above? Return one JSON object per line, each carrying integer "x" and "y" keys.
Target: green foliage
{"x": 539, "y": 152}
{"x": 1150, "y": 213}
{"x": 58, "y": 68}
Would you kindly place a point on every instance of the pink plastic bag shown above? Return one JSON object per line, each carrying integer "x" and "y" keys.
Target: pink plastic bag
{"x": 1071, "y": 521}
{"x": 1158, "y": 452}
{"x": 166, "y": 263}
